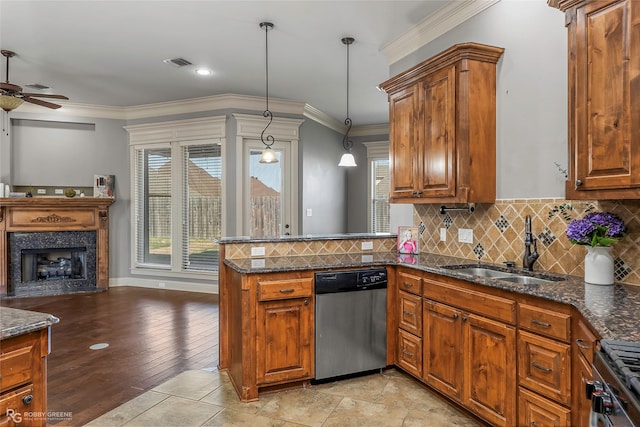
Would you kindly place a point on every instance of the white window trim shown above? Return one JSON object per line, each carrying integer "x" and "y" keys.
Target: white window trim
{"x": 376, "y": 150}
{"x": 151, "y": 135}
{"x": 250, "y": 127}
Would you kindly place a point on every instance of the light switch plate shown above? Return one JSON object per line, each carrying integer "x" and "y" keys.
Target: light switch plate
{"x": 309, "y": 212}
{"x": 443, "y": 234}
{"x": 367, "y": 246}
{"x": 59, "y": 191}
{"x": 465, "y": 235}
{"x": 42, "y": 191}
{"x": 257, "y": 251}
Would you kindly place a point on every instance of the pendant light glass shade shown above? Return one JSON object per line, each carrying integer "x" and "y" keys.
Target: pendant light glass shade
{"x": 268, "y": 155}
{"x": 8, "y": 103}
{"x": 347, "y": 159}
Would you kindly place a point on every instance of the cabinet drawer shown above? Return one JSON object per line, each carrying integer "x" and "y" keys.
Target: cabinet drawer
{"x": 15, "y": 367}
{"x": 544, "y": 366}
{"x": 534, "y": 410}
{"x": 284, "y": 289}
{"x": 584, "y": 340}
{"x": 545, "y": 322}
{"x": 20, "y": 402}
{"x": 495, "y": 307}
{"x": 409, "y": 283}
{"x": 409, "y": 356}
{"x": 410, "y": 313}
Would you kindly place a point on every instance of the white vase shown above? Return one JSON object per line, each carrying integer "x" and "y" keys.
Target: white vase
{"x": 598, "y": 265}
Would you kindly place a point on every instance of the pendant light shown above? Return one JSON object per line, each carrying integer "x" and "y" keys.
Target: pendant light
{"x": 347, "y": 158}
{"x": 268, "y": 155}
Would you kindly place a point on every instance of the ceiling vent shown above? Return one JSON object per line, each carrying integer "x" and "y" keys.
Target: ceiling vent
{"x": 38, "y": 86}
{"x": 177, "y": 62}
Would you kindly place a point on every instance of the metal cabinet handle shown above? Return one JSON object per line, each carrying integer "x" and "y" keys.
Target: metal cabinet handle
{"x": 465, "y": 318}
{"x": 407, "y": 284}
{"x": 533, "y": 424}
{"x": 286, "y": 291}
{"x": 455, "y": 315}
{"x": 542, "y": 368}
{"x": 582, "y": 346}
{"x": 27, "y": 399}
{"x": 578, "y": 182}
{"x": 406, "y": 353}
{"x": 407, "y": 313}
{"x": 306, "y": 301}
{"x": 539, "y": 323}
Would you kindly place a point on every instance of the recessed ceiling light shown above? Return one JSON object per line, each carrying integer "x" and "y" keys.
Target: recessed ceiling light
{"x": 203, "y": 71}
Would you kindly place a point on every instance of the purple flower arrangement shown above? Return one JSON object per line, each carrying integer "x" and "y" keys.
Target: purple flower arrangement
{"x": 596, "y": 229}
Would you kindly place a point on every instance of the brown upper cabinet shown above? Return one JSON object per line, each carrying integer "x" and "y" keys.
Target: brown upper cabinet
{"x": 442, "y": 120}
{"x": 604, "y": 98}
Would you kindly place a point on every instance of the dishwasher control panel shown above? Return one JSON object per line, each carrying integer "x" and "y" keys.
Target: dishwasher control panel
{"x": 350, "y": 280}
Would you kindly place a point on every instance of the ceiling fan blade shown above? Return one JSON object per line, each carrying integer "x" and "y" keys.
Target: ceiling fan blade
{"x": 44, "y": 95}
{"x": 42, "y": 103}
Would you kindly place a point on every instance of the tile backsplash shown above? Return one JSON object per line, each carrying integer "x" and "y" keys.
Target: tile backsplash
{"x": 498, "y": 234}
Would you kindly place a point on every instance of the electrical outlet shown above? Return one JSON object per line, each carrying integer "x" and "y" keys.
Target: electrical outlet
{"x": 42, "y": 191}
{"x": 161, "y": 284}
{"x": 258, "y": 263}
{"x": 309, "y": 212}
{"x": 367, "y": 246}
{"x": 59, "y": 191}
{"x": 257, "y": 251}
{"x": 367, "y": 258}
{"x": 443, "y": 234}
{"x": 465, "y": 235}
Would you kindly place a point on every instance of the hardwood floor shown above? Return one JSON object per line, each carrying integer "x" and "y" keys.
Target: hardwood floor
{"x": 153, "y": 335}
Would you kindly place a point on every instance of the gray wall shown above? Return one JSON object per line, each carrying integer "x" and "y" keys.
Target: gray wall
{"x": 323, "y": 184}
{"x": 531, "y": 92}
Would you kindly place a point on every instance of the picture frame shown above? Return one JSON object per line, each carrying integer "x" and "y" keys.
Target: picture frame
{"x": 408, "y": 240}
{"x": 103, "y": 186}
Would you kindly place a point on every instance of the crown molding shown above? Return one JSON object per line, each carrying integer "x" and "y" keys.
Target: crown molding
{"x": 209, "y": 103}
{"x": 433, "y": 26}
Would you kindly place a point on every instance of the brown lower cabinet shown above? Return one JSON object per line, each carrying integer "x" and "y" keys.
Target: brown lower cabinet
{"x": 536, "y": 411}
{"x": 471, "y": 359}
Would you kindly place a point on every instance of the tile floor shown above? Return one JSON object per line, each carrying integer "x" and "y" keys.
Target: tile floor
{"x": 207, "y": 398}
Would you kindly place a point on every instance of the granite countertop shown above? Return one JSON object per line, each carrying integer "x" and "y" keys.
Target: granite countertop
{"x": 15, "y": 322}
{"x": 302, "y": 238}
{"x": 614, "y": 311}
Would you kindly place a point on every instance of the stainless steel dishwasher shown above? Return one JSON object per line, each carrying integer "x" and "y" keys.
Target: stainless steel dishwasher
{"x": 351, "y": 322}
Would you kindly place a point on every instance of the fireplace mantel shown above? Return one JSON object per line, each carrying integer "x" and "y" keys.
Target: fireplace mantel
{"x": 39, "y": 214}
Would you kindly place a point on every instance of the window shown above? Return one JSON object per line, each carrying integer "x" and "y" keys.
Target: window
{"x": 178, "y": 196}
{"x": 378, "y": 158}
{"x": 380, "y": 196}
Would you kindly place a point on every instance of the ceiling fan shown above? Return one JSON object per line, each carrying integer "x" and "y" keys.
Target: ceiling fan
{"x": 12, "y": 96}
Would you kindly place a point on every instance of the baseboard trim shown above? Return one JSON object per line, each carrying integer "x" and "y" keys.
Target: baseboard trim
{"x": 206, "y": 288}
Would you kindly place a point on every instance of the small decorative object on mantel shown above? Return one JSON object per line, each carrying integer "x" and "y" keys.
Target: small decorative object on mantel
{"x": 70, "y": 192}
{"x": 407, "y": 240}
{"x": 103, "y": 186}
{"x": 598, "y": 231}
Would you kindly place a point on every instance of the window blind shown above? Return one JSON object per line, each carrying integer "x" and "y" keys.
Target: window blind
{"x": 380, "y": 195}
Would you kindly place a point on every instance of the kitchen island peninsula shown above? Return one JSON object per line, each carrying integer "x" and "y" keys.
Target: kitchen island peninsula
{"x": 476, "y": 339}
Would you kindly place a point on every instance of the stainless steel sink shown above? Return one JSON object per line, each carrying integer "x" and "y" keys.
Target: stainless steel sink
{"x": 525, "y": 280}
{"x": 483, "y": 272}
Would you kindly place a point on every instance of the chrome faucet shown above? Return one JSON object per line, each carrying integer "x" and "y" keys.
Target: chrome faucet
{"x": 529, "y": 257}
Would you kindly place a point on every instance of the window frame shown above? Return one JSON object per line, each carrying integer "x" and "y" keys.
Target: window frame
{"x": 173, "y": 134}
{"x": 376, "y": 150}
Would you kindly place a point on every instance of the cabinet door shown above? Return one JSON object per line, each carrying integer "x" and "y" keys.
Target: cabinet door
{"x": 410, "y": 313}
{"x": 284, "y": 340}
{"x": 443, "y": 348}
{"x": 437, "y": 160}
{"x": 404, "y": 109}
{"x": 582, "y": 405}
{"x": 490, "y": 369}
{"x": 607, "y": 65}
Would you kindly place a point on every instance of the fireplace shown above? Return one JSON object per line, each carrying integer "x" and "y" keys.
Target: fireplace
{"x": 53, "y": 245}
{"x": 55, "y": 262}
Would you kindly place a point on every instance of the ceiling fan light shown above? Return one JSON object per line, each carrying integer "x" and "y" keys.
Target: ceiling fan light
{"x": 268, "y": 156}
{"x": 347, "y": 160}
{"x": 8, "y": 103}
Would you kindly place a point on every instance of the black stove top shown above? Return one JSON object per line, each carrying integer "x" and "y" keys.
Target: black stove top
{"x": 625, "y": 358}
